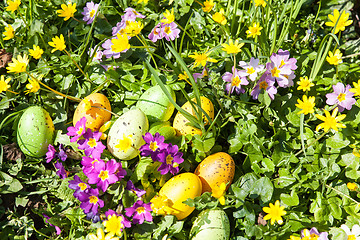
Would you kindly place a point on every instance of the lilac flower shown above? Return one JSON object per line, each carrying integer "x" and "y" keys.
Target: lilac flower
{"x": 252, "y": 69}
{"x": 234, "y": 81}
{"x": 153, "y": 144}
{"x": 155, "y": 33}
{"x": 142, "y": 212}
{"x": 120, "y": 173}
{"x": 108, "y": 52}
{"x": 170, "y": 31}
{"x": 131, "y": 15}
{"x": 104, "y": 174}
{"x": 61, "y": 170}
{"x": 131, "y": 187}
{"x": 341, "y": 96}
{"x": 58, "y": 230}
{"x": 62, "y": 155}
{"x": 98, "y": 54}
{"x": 92, "y": 144}
{"x": 313, "y": 231}
{"x": 78, "y": 130}
{"x": 90, "y": 201}
{"x": 204, "y": 73}
{"x": 50, "y": 153}
{"x": 170, "y": 158}
{"x": 94, "y": 217}
{"x": 78, "y": 185}
{"x": 90, "y": 12}
{"x": 119, "y": 28}
{"x": 266, "y": 84}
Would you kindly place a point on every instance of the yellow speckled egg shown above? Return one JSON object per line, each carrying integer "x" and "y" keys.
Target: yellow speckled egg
{"x": 178, "y": 189}
{"x": 216, "y": 169}
{"x": 180, "y": 122}
{"x": 90, "y": 107}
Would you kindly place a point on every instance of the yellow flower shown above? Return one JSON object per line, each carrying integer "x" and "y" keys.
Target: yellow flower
{"x": 330, "y": 121}
{"x": 304, "y": 84}
{"x": 356, "y": 88}
{"x": 260, "y": 2}
{"x": 58, "y": 43}
{"x": 341, "y": 23}
{"x": 352, "y": 186}
{"x": 334, "y": 59}
{"x": 13, "y": 5}
{"x": 114, "y": 225}
{"x": 306, "y": 105}
{"x": 274, "y": 213}
{"x": 169, "y": 17}
{"x": 201, "y": 58}
{"x": 120, "y": 43}
{"x": 294, "y": 238}
{"x": 254, "y": 30}
{"x": 125, "y": 143}
{"x": 33, "y": 86}
{"x": 9, "y": 33}
{"x": 232, "y": 47}
{"x": 162, "y": 205}
{"x": 18, "y": 65}
{"x": 219, "y": 17}
{"x": 4, "y": 86}
{"x": 103, "y": 129}
{"x": 101, "y": 235}
{"x": 36, "y": 52}
{"x": 133, "y": 28}
{"x": 142, "y": 1}
{"x": 219, "y": 193}
{"x": 67, "y": 11}
{"x": 208, "y": 5}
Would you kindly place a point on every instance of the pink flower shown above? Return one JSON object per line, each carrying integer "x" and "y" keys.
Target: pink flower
{"x": 78, "y": 130}
{"x": 341, "y": 96}
{"x": 90, "y": 12}
{"x": 92, "y": 144}
{"x": 170, "y": 158}
{"x": 235, "y": 80}
{"x": 104, "y": 174}
{"x": 252, "y": 69}
{"x": 142, "y": 212}
{"x": 170, "y": 31}
{"x": 155, "y": 33}
{"x": 266, "y": 84}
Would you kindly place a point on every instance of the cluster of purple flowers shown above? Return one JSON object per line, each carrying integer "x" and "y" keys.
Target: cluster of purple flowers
{"x": 169, "y": 31}
{"x": 53, "y": 154}
{"x": 165, "y": 153}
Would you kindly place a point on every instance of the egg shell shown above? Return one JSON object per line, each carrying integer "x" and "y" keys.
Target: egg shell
{"x": 181, "y": 122}
{"x": 95, "y": 117}
{"x": 164, "y": 129}
{"x": 35, "y": 131}
{"x": 156, "y": 105}
{"x": 133, "y": 123}
{"x": 178, "y": 189}
{"x": 214, "y": 170}
{"x": 211, "y": 224}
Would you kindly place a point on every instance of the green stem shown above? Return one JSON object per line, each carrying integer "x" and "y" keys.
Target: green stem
{"x": 86, "y": 77}
{"x": 341, "y": 193}
{"x": 143, "y": 42}
{"x": 323, "y": 134}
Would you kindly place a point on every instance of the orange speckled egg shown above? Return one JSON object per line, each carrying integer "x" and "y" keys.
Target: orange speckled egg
{"x": 214, "y": 170}
{"x": 95, "y": 117}
{"x": 180, "y": 122}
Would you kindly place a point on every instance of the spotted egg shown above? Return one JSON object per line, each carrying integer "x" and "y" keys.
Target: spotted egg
{"x": 181, "y": 122}
{"x": 216, "y": 169}
{"x": 92, "y": 108}
{"x": 125, "y": 135}
{"x": 35, "y": 131}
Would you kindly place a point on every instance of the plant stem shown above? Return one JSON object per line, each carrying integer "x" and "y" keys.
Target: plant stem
{"x": 341, "y": 193}
{"x": 311, "y": 143}
{"x": 86, "y": 77}
{"x": 143, "y": 42}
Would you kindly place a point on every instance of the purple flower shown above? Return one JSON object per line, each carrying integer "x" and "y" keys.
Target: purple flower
{"x": 94, "y": 217}
{"x": 131, "y": 15}
{"x": 153, "y": 144}
{"x": 88, "y": 164}
{"x": 90, "y": 12}
{"x": 62, "y": 155}
{"x": 170, "y": 159}
{"x": 204, "y": 73}
{"x": 131, "y": 187}
{"x": 78, "y": 130}
{"x": 266, "y": 84}
{"x": 78, "y": 185}
{"x": 58, "y": 230}
{"x": 155, "y": 33}
{"x": 98, "y": 54}
{"x": 313, "y": 231}
{"x": 142, "y": 212}
{"x": 252, "y": 69}
{"x": 50, "y": 153}
{"x": 341, "y": 96}
{"x": 108, "y": 52}
{"x": 120, "y": 173}
{"x": 170, "y": 31}
{"x": 61, "y": 170}
{"x": 104, "y": 174}
{"x": 90, "y": 201}
{"x": 119, "y": 28}
{"x": 92, "y": 144}
{"x": 234, "y": 81}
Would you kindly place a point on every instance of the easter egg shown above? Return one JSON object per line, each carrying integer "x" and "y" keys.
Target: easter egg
{"x": 164, "y": 129}
{"x": 211, "y": 224}
{"x": 92, "y": 107}
{"x": 179, "y": 188}
{"x": 156, "y": 105}
{"x": 125, "y": 135}
{"x": 35, "y": 131}
{"x": 181, "y": 122}
{"x": 216, "y": 169}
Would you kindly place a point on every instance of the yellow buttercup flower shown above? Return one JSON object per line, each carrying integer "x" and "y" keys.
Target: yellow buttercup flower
{"x": 304, "y": 84}
{"x": 254, "y": 30}
{"x": 274, "y": 213}
{"x": 208, "y": 5}
{"x": 36, "y": 52}
{"x": 33, "y": 86}
{"x": 352, "y": 186}
{"x": 219, "y": 17}
{"x": 120, "y": 43}
{"x": 202, "y": 59}
{"x": 342, "y": 20}
{"x": 133, "y": 28}
{"x": 232, "y": 47}
{"x": 306, "y": 105}
{"x": 18, "y": 65}
{"x": 4, "y": 84}
{"x": 9, "y": 33}
{"x": 330, "y": 121}
{"x": 100, "y": 235}
{"x": 114, "y": 225}
{"x": 142, "y": 1}
{"x": 356, "y": 89}
{"x": 58, "y": 43}
{"x": 67, "y": 11}
{"x": 334, "y": 58}
{"x": 294, "y": 238}
{"x": 219, "y": 193}
{"x": 260, "y": 2}
{"x": 169, "y": 17}
{"x": 13, "y": 5}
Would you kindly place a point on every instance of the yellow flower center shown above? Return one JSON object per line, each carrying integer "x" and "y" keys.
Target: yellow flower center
{"x": 82, "y": 186}
{"x": 341, "y": 97}
{"x": 175, "y": 165}
{"x": 92, "y": 143}
{"x": 153, "y": 146}
{"x": 169, "y": 159}
{"x": 140, "y": 210}
{"x": 351, "y": 237}
{"x": 282, "y": 63}
{"x": 93, "y": 199}
{"x": 92, "y": 13}
{"x": 275, "y": 72}
{"x": 81, "y": 129}
{"x": 167, "y": 30}
{"x": 235, "y": 81}
{"x": 250, "y": 70}
{"x": 103, "y": 175}
{"x": 93, "y": 162}
{"x": 263, "y": 85}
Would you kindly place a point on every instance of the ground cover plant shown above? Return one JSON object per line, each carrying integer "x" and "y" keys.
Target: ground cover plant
{"x": 180, "y": 119}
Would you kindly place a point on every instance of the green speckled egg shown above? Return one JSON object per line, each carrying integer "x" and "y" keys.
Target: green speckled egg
{"x": 155, "y": 104}
{"x": 35, "y": 131}
{"x": 125, "y": 135}
{"x": 211, "y": 224}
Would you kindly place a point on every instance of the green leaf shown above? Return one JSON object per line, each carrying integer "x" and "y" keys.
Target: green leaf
{"x": 140, "y": 169}
{"x": 9, "y": 184}
{"x": 290, "y": 200}
{"x": 337, "y": 141}
{"x": 335, "y": 204}
{"x": 263, "y": 188}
